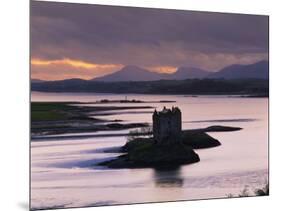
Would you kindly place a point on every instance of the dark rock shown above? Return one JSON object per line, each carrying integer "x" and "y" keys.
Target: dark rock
{"x": 153, "y": 155}
{"x": 145, "y": 152}
{"x": 217, "y": 128}
{"x": 199, "y": 140}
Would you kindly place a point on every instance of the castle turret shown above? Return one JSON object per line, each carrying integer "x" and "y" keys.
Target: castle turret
{"x": 167, "y": 125}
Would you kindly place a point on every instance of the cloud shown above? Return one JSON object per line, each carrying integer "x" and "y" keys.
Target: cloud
{"x": 146, "y": 37}
{"x": 69, "y": 68}
{"x": 163, "y": 69}
{"x": 73, "y": 63}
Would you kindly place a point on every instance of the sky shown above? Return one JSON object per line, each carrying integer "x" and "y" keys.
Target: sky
{"x": 85, "y": 41}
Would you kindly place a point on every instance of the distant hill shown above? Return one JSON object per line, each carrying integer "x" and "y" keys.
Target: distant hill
{"x": 235, "y": 79}
{"x": 132, "y": 73}
{"x": 259, "y": 70}
{"x": 33, "y": 80}
{"x": 257, "y": 87}
{"x": 189, "y": 73}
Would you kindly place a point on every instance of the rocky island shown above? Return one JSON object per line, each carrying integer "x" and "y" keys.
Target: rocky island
{"x": 170, "y": 146}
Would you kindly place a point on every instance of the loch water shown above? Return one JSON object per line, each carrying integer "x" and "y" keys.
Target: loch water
{"x": 64, "y": 174}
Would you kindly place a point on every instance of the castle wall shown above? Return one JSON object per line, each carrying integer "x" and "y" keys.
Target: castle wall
{"x": 167, "y": 125}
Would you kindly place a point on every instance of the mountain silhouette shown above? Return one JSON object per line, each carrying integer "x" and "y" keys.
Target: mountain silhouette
{"x": 134, "y": 73}
{"x": 259, "y": 70}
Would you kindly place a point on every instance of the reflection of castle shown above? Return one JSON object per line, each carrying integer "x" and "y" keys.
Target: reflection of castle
{"x": 170, "y": 177}
{"x": 167, "y": 125}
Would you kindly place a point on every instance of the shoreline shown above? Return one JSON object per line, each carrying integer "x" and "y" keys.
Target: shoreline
{"x": 215, "y": 128}
{"x": 50, "y": 118}
{"x": 159, "y": 94}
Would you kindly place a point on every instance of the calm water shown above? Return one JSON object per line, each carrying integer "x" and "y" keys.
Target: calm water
{"x": 63, "y": 172}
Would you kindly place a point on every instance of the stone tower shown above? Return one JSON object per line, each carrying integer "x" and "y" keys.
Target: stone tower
{"x": 167, "y": 125}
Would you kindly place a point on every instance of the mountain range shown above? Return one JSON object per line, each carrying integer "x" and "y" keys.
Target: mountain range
{"x": 132, "y": 73}
{"x": 235, "y": 79}
{"x": 135, "y": 73}
{"x": 257, "y": 70}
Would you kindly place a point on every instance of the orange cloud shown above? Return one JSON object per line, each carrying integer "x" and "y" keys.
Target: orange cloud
{"x": 59, "y": 69}
{"x": 73, "y": 63}
{"x": 163, "y": 69}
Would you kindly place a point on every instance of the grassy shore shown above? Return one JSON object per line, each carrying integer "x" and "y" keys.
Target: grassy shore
{"x": 48, "y": 118}
{"x": 50, "y": 111}
{"x": 56, "y": 111}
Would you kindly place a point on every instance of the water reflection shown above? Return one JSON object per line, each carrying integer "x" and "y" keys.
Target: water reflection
{"x": 168, "y": 177}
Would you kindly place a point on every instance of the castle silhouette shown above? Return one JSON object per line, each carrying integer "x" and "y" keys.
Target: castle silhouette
{"x": 167, "y": 125}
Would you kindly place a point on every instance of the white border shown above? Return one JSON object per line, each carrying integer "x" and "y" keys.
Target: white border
{"x": 15, "y": 97}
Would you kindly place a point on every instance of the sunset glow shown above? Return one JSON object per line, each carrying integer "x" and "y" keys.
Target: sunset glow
{"x": 73, "y": 63}
{"x": 163, "y": 69}
{"x": 59, "y": 69}
{"x": 89, "y": 43}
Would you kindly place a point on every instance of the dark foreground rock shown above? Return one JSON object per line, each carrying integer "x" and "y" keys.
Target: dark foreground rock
{"x": 218, "y": 128}
{"x": 199, "y": 140}
{"x": 145, "y": 153}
